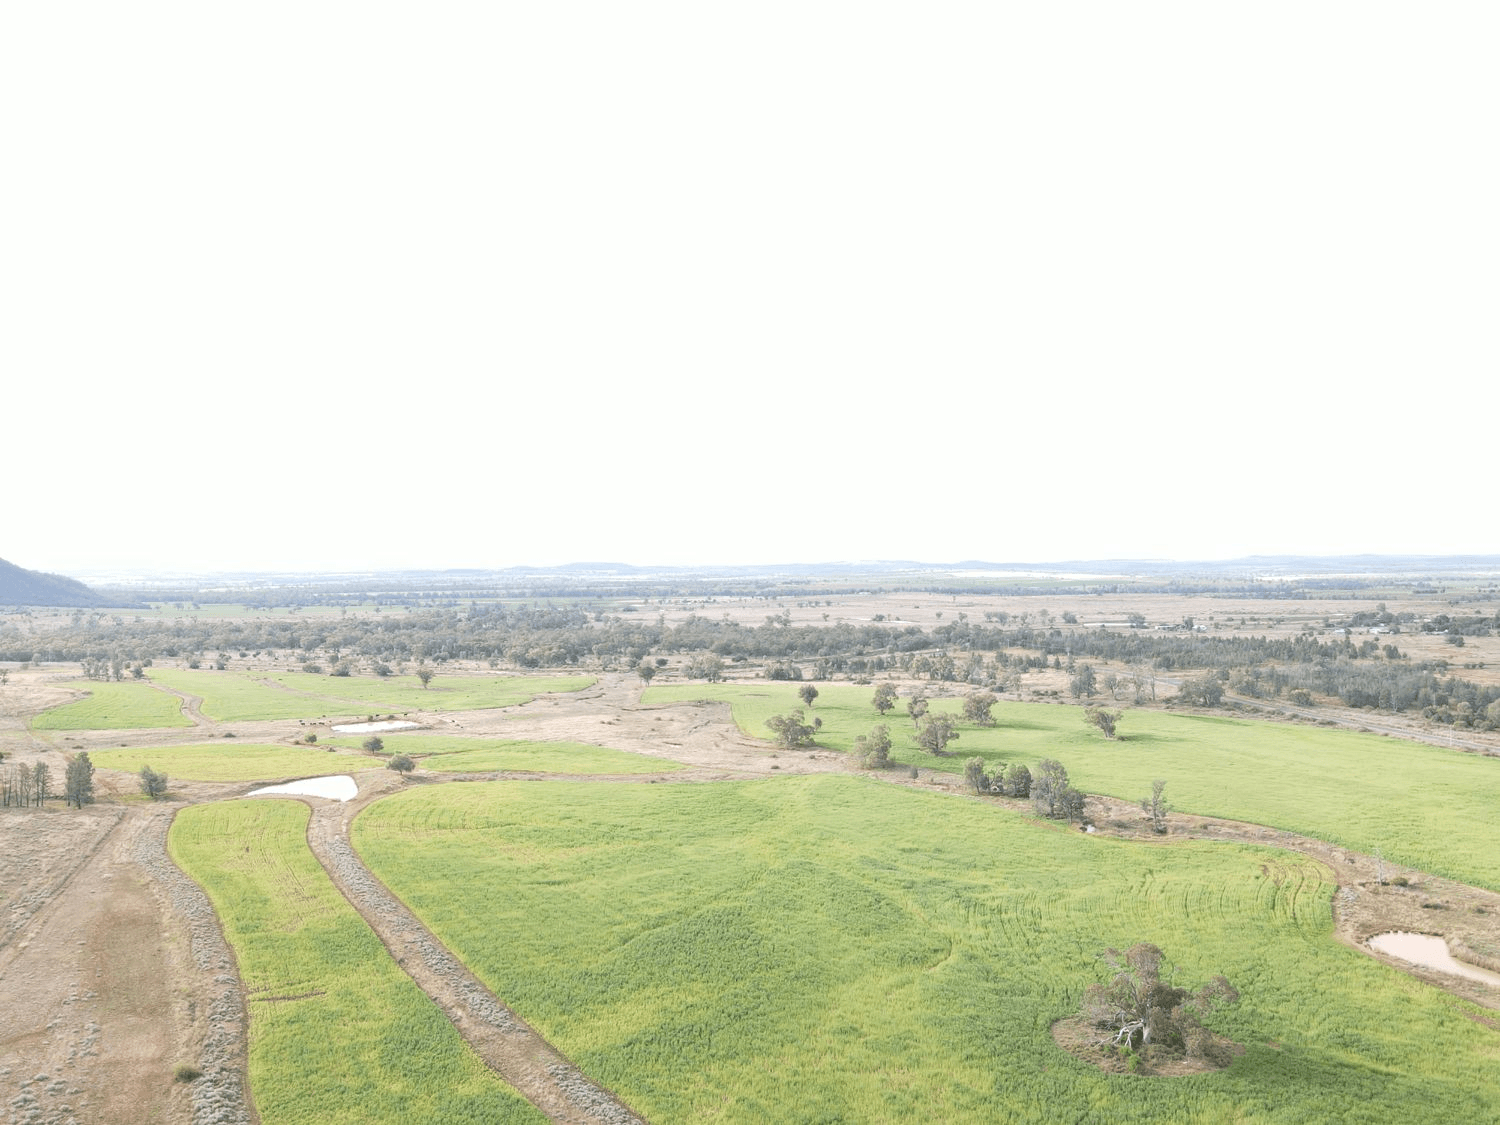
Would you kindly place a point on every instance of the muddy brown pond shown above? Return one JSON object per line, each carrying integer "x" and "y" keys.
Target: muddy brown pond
{"x": 1430, "y": 953}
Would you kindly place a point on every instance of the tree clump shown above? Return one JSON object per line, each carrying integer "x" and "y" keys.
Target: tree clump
{"x": 1202, "y": 691}
{"x": 873, "y": 751}
{"x": 1103, "y": 718}
{"x": 78, "y": 782}
{"x": 1052, "y": 795}
{"x": 1016, "y": 781}
{"x": 791, "y": 730}
{"x": 936, "y": 733}
{"x": 1156, "y": 808}
{"x": 1138, "y": 1014}
{"x": 977, "y": 708}
{"x": 153, "y": 784}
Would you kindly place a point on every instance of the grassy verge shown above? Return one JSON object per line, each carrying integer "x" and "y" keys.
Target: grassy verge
{"x": 457, "y": 754}
{"x": 239, "y": 697}
{"x": 827, "y": 948}
{"x": 337, "y": 1032}
{"x": 233, "y": 761}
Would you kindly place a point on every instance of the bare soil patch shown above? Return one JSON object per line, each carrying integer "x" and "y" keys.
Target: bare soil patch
{"x": 1083, "y": 1041}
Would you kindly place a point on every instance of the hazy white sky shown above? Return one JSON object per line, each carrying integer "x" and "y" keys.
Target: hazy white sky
{"x": 337, "y": 285}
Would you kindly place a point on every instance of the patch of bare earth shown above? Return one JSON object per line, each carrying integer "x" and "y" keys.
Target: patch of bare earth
{"x": 1084, "y": 1041}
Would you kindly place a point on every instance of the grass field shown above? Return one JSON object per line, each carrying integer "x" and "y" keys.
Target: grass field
{"x": 338, "y": 1033}
{"x": 241, "y": 696}
{"x": 833, "y": 949}
{"x": 456, "y": 754}
{"x": 1422, "y": 806}
{"x": 233, "y": 761}
{"x": 116, "y": 706}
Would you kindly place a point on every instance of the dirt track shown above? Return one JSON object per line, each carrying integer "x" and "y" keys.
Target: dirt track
{"x": 115, "y": 970}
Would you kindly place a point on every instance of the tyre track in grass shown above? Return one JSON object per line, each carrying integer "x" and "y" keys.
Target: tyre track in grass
{"x": 506, "y": 1043}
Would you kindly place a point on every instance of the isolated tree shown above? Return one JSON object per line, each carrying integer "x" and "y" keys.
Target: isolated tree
{"x": 153, "y": 784}
{"x": 374, "y": 744}
{"x": 885, "y": 698}
{"x": 1143, "y": 682}
{"x": 874, "y": 750}
{"x": 791, "y": 730}
{"x": 401, "y": 764}
{"x": 78, "y": 782}
{"x": 1156, "y": 807}
{"x": 1017, "y": 781}
{"x": 975, "y": 777}
{"x": 916, "y": 707}
{"x": 1138, "y": 1010}
{"x": 1203, "y": 691}
{"x": 977, "y": 708}
{"x": 1103, "y": 718}
{"x": 425, "y": 674}
{"x": 1084, "y": 683}
{"x": 646, "y": 671}
{"x": 807, "y": 693}
{"x": 936, "y": 733}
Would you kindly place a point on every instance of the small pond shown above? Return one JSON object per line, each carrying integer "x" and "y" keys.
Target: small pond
{"x": 1430, "y": 953}
{"x": 338, "y": 788}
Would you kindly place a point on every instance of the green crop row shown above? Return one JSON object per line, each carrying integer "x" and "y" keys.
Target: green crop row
{"x": 457, "y": 754}
{"x": 129, "y": 705}
{"x": 829, "y": 948}
{"x": 338, "y": 1034}
{"x": 233, "y": 761}
{"x": 240, "y": 697}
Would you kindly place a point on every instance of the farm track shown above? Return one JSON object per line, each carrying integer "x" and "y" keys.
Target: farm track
{"x": 192, "y": 706}
{"x": 506, "y": 1043}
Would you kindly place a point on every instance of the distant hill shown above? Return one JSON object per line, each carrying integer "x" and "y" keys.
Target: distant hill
{"x": 32, "y": 587}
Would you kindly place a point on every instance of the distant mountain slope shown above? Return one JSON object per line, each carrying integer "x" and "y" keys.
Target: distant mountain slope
{"x": 32, "y": 587}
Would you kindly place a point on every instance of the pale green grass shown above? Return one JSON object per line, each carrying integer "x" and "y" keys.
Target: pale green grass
{"x": 834, "y": 949}
{"x": 129, "y": 705}
{"x": 338, "y": 1033}
{"x": 233, "y": 761}
{"x": 457, "y": 754}
{"x": 1422, "y": 806}
{"x": 443, "y": 693}
{"x": 231, "y": 696}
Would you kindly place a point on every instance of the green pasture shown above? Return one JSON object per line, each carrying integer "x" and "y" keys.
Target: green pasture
{"x": 830, "y": 948}
{"x": 338, "y": 1033}
{"x": 234, "y": 761}
{"x": 128, "y": 705}
{"x": 231, "y": 696}
{"x": 1422, "y": 806}
{"x": 457, "y": 754}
